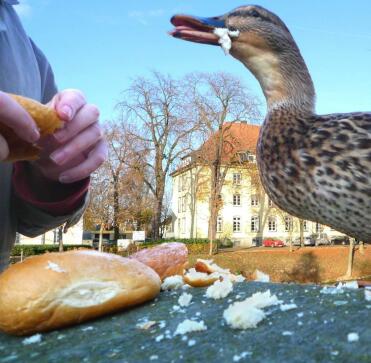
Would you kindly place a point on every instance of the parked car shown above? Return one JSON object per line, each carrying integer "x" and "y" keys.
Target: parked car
{"x": 340, "y": 240}
{"x": 322, "y": 239}
{"x": 269, "y": 242}
{"x": 308, "y": 241}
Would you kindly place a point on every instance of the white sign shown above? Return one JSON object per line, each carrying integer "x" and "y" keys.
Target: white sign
{"x": 139, "y": 235}
{"x": 124, "y": 243}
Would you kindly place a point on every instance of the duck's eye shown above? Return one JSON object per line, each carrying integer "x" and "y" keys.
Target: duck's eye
{"x": 254, "y": 13}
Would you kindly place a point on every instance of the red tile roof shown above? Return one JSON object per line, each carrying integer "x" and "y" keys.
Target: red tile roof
{"x": 237, "y": 137}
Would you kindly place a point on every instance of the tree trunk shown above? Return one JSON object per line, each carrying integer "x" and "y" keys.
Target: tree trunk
{"x": 301, "y": 229}
{"x": 60, "y": 238}
{"x": 350, "y": 258}
{"x": 156, "y": 221}
{"x": 212, "y": 227}
{"x": 361, "y": 247}
{"x": 100, "y": 245}
{"x": 116, "y": 209}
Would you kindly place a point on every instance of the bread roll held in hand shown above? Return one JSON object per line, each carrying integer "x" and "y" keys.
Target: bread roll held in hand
{"x": 167, "y": 259}
{"x": 47, "y": 121}
{"x": 54, "y": 290}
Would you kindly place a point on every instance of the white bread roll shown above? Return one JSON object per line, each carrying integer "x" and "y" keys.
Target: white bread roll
{"x": 54, "y": 290}
{"x": 167, "y": 259}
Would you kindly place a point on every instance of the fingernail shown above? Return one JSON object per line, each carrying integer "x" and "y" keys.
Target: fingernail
{"x": 34, "y": 136}
{"x": 64, "y": 179}
{"x": 57, "y": 157}
{"x": 59, "y": 135}
{"x": 67, "y": 112}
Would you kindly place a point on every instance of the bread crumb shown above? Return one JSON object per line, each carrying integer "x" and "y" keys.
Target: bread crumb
{"x": 240, "y": 315}
{"x": 225, "y": 36}
{"x": 184, "y": 299}
{"x": 172, "y": 282}
{"x": 153, "y": 357}
{"x": 368, "y": 295}
{"x": 285, "y": 307}
{"x": 287, "y": 333}
{"x": 159, "y": 338}
{"x": 191, "y": 342}
{"x": 146, "y": 325}
{"x": 219, "y": 289}
{"x": 237, "y": 358}
{"x": 353, "y": 337}
{"x": 262, "y": 299}
{"x": 188, "y": 326}
{"x": 32, "y": 339}
{"x": 261, "y": 276}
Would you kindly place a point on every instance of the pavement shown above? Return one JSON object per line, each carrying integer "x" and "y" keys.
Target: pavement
{"x": 324, "y": 327}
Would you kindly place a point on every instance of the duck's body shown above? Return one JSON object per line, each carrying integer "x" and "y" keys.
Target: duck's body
{"x": 314, "y": 167}
{"x": 320, "y": 168}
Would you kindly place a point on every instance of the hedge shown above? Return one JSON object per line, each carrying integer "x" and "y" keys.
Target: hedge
{"x": 29, "y": 250}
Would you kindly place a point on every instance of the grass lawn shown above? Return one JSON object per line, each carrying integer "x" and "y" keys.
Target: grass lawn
{"x": 308, "y": 264}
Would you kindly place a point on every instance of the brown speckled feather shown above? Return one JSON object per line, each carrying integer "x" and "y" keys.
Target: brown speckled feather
{"x": 319, "y": 168}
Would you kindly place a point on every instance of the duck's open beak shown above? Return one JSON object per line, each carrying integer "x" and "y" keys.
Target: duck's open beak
{"x": 196, "y": 29}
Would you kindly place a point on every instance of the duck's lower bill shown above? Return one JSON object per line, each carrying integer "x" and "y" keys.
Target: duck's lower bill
{"x": 195, "y": 29}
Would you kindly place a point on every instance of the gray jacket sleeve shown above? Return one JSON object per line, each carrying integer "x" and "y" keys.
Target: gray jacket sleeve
{"x": 48, "y": 86}
{"x": 33, "y": 221}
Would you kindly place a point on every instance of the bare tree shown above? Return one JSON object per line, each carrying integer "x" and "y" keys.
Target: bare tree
{"x": 219, "y": 100}
{"x": 157, "y": 110}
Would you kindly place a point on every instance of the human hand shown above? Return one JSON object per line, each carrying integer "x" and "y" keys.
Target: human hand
{"x": 17, "y": 118}
{"x": 78, "y": 149}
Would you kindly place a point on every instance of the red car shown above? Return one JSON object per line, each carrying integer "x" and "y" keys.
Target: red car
{"x": 273, "y": 243}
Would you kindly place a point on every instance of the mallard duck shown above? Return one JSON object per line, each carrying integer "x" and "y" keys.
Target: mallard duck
{"x": 315, "y": 167}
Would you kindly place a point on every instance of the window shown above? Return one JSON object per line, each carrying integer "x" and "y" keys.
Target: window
{"x": 184, "y": 203}
{"x": 305, "y": 226}
{"x": 254, "y": 200}
{"x": 246, "y": 156}
{"x": 270, "y": 203}
{"x": 236, "y": 199}
{"x": 288, "y": 224}
{"x": 179, "y": 204}
{"x": 179, "y": 225}
{"x": 319, "y": 228}
{"x": 254, "y": 224}
{"x": 272, "y": 224}
{"x": 236, "y": 224}
{"x": 236, "y": 178}
{"x": 219, "y": 224}
{"x": 184, "y": 182}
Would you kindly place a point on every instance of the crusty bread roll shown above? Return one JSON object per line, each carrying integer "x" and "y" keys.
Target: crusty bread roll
{"x": 54, "y": 290}
{"x": 46, "y": 120}
{"x": 167, "y": 259}
{"x": 200, "y": 279}
{"x": 208, "y": 266}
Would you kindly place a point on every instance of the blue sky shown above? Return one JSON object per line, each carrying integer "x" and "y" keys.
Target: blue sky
{"x": 99, "y": 46}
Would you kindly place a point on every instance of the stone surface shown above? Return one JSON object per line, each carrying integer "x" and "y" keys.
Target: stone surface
{"x": 316, "y": 331}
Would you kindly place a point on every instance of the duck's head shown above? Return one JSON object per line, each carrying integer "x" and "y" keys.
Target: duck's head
{"x": 262, "y": 42}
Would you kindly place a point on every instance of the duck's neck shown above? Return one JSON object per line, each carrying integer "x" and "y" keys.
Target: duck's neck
{"x": 285, "y": 81}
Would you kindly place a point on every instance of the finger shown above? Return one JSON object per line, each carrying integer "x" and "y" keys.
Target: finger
{"x": 18, "y": 119}
{"x": 4, "y": 149}
{"x": 95, "y": 159}
{"x": 68, "y": 102}
{"x": 88, "y": 137}
{"x": 87, "y": 115}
